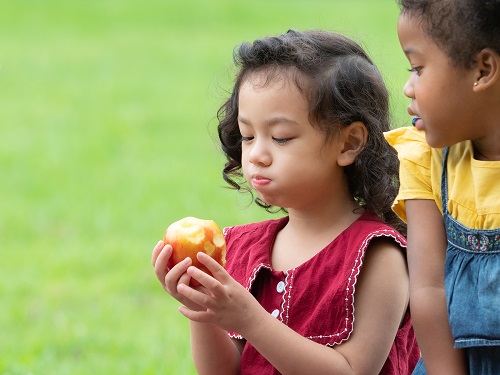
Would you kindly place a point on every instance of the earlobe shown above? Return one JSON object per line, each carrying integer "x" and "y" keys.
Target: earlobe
{"x": 354, "y": 137}
{"x": 488, "y": 69}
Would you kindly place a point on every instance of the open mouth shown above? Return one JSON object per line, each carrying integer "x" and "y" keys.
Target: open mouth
{"x": 414, "y": 120}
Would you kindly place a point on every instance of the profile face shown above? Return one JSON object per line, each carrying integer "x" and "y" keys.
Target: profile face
{"x": 441, "y": 94}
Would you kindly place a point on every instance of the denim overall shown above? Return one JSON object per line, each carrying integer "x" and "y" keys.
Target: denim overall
{"x": 472, "y": 281}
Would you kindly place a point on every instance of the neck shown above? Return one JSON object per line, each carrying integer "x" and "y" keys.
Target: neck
{"x": 324, "y": 219}
{"x": 308, "y": 232}
{"x": 487, "y": 148}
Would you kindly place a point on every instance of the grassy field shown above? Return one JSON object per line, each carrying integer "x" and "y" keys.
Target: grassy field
{"x": 107, "y": 134}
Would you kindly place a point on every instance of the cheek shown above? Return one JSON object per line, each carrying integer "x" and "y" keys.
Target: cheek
{"x": 244, "y": 156}
{"x": 244, "y": 164}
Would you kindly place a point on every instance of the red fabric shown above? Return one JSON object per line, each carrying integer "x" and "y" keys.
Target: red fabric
{"x": 315, "y": 299}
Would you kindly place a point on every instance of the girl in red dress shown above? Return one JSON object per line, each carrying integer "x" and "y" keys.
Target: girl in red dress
{"x": 323, "y": 289}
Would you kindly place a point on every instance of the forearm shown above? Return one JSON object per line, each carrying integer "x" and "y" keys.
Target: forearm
{"x": 214, "y": 352}
{"x": 383, "y": 282}
{"x": 426, "y": 260}
{"x": 430, "y": 321}
{"x": 291, "y": 353}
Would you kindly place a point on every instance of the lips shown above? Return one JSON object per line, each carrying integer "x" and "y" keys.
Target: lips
{"x": 418, "y": 123}
{"x": 258, "y": 181}
{"x": 416, "y": 120}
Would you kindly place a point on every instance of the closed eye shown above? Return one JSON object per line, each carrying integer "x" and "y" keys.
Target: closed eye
{"x": 282, "y": 141}
{"x": 246, "y": 139}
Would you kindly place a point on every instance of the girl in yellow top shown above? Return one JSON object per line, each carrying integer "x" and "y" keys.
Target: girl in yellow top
{"x": 450, "y": 181}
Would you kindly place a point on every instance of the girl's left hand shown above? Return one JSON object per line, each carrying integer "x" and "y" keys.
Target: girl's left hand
{"x": 228, "y": 304}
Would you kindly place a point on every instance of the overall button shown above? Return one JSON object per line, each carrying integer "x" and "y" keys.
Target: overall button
{"x": 275, "y": 313}
{"x": 280, "y": 287}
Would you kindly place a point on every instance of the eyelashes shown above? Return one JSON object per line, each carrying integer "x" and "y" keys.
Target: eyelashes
{"x": 280, "y": 141}
{"x": 417, "y": 70}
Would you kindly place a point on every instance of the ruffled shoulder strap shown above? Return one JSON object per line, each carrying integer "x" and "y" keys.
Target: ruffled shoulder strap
{"x": 410, "y": 145}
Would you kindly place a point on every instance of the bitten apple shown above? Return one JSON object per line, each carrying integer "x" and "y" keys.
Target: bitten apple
{"x": 190, "y": 236}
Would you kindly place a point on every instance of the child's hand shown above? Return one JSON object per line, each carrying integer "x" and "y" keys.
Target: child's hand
{"x": 170, "y": 279}
{"x": 224, "y": 301}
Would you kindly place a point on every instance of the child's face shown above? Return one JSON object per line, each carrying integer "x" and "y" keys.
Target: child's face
{"x": 286, "y": 161}
{"x": 441, "y": 94}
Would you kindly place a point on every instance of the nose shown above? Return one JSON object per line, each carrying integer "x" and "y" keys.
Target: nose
{"x": 259, "y": 153}
{"x": 408, "y": 88}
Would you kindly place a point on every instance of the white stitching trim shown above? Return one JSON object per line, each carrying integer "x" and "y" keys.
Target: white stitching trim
{"x": 351, "y": 287}
{"x": 353, "y": 277}
{"x": 287, "y": 295}
{"x": 250, "y": 282}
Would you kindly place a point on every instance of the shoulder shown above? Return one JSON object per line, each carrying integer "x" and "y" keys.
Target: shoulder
{"x": 413, "y": 151}
{"x": 385, "y": 256}
{"x": 420, "y": 167}
{"x": 248, "y": 248}
{"x": 369, "y": 228}
{"x": 410, "y": 145}
{"x": 386, "y": 252}
{"x": 380, "y": 305}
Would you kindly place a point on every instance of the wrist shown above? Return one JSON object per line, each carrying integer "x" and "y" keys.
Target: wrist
{"x": 255, "y": 320}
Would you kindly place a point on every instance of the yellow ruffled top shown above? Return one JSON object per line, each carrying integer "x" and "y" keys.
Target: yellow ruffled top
{"x": 473, "y": 185}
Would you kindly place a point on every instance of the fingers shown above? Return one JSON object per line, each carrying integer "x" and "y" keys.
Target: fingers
{"x": 160, "y": 259}
{"x": 184, "y": 279}
{"x": 177, "y": 275}
{"x": 215, "y": 268}
{"x": 215, "y": 283}
{"x": 169, "y": 278}
{"x": 156, "y": 251}
{"x": 200, "y": 298}
{"x": 219, "y": 278}
{"x": 203, "y": 278}
{"x": 196, "y": 316}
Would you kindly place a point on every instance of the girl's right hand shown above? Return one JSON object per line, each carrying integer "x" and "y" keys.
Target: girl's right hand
{"x": 171, "y": 278}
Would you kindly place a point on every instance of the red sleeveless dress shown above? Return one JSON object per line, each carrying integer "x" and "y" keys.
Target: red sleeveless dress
{"x": 315, "y": 299}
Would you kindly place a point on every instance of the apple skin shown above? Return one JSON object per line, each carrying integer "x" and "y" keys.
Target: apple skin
{"x": 190, "y": 236}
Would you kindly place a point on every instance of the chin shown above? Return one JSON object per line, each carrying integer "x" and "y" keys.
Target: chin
{"x": 269, "y": 201}
{"x": 438, "y": 143}
{"x": 435, "y": 141}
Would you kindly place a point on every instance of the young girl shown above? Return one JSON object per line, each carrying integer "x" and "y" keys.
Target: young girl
{"x": 323, "y": 289}
{"x": 450, "y": 174}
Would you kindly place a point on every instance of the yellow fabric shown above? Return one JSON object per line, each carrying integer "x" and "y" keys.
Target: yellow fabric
{"x": 473, "y": 185}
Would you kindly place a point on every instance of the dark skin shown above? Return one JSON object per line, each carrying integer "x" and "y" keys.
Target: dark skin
{"x": 455, "y": 105}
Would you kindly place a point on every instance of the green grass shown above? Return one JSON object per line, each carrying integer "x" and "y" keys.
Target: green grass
{"x": 107, "y": 134}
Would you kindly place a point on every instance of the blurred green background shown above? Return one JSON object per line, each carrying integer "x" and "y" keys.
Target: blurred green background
{"x": 107, "y": 135}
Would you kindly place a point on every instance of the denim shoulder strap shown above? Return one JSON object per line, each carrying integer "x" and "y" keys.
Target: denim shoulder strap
{"x": 444, "y": 183}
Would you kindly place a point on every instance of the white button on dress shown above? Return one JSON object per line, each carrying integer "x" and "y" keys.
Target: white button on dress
{"x": 280, "y": 287}
{"x": 275, "y": 313}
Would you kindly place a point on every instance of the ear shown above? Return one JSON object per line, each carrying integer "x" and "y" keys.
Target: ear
{"x": 353, "y": 138}
{"x": 487, "y": 69}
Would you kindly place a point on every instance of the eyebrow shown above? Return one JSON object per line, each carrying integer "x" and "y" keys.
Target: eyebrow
{"x": 272, "y": 121}
{"x": 411, "y": 51}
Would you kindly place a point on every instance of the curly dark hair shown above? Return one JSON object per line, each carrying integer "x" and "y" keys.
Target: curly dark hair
{"x": 462, "y": 28}
{"x": 342, "y": 86}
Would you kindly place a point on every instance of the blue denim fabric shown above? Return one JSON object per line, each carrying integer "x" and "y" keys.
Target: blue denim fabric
{"x": 472, "y": 281}
{"x": 419, "y": 368}
{"x": 478, "y": 364}
{"x": 483, "y": 360}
